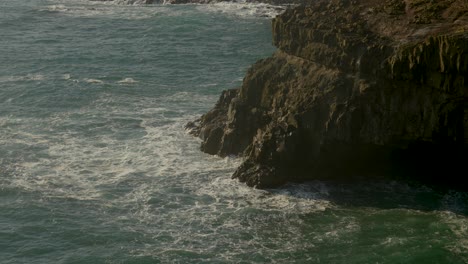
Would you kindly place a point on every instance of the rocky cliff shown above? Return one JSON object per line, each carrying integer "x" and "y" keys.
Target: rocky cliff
{"x": 357, "y": 90}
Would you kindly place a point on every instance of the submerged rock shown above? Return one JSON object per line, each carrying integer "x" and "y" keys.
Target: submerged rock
{"x": 356, "y": 90}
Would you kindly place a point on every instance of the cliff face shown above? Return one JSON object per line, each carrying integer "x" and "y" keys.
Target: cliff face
{"x": 356, "y": 90}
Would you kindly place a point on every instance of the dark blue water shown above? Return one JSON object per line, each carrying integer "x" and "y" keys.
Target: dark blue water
{"x": 95, "y": 166}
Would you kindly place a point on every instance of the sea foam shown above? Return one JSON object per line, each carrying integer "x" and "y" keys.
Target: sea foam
{"x": 244, "y": 9}
{"x": 127, "y": 81}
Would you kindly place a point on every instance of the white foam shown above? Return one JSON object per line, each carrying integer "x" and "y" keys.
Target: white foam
{"x": 127, "y": 9}
{"x": 77, "y": 167}
{"x": 94, "y": 81}
{"x": 164, "y": 155}
{"x": 37, "y": 77}
{"x": 458, "y": 224}
{"x": 129, "y": 2}
{"x": 127, "y": 81}
{"x": 244, "y": 9}
{"x": 393, "y": 241}
{"x": 236, "y": 196}
{"x": 28, "y": 77}
{"x": 34, "y": 77}
{"x": 55, "y": 8}
{"x": 137, "y": 9}
{"x": 66, "y": 76}
{"x": 208, "y": 85}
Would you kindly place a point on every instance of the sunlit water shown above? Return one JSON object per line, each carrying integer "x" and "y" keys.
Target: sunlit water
{"x": 95, "y": 166}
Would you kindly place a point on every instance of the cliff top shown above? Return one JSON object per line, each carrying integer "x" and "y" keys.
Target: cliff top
{"x": 398, "y": 20}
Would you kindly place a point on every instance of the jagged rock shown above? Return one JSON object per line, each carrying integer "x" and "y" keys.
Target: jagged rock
{"x": 357, "y": 90}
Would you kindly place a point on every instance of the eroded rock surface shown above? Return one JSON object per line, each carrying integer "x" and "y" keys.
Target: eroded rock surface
{"x": 356, "y": 90}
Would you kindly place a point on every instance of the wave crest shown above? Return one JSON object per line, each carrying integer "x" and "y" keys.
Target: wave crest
{"x": 244, "y": 9}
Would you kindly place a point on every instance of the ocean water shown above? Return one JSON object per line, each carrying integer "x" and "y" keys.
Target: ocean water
{"x": 95, "y": 165}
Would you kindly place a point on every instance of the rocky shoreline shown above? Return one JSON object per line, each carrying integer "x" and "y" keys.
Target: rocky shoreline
{"x": 272, "y": 2}
{"x": 357, "y": 90}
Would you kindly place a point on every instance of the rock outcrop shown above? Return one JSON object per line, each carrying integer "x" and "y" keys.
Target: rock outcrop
{"x": 357, "y": 90}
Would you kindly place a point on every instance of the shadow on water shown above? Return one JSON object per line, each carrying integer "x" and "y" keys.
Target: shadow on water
{"x": 424, "y": 176}
{"x": 382, "y": 195}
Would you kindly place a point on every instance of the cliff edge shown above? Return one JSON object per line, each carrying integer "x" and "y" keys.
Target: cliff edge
{"x": 357, "y": 90}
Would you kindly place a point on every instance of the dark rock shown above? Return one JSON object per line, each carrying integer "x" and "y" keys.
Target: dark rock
{"x": 357, "y": 90}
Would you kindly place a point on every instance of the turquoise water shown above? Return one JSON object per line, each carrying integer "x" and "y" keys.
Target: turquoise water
{"x": 95, "y": 166}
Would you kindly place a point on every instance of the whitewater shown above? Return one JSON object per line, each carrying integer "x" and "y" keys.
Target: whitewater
{"x": 96, "y": 167}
